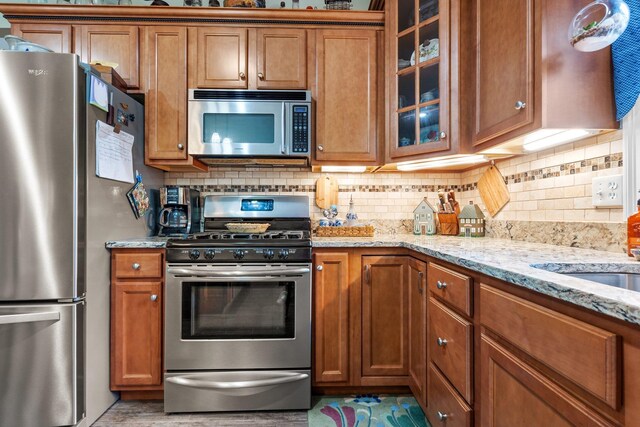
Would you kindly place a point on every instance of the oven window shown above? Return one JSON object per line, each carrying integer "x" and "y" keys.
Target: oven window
{"x": 238, "y": 310}
{"x": 228, "y": 128}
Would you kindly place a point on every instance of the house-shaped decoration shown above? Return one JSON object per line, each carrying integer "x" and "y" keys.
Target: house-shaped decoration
{"x": 424, "y": 218}
{"x": 471, "y": 221}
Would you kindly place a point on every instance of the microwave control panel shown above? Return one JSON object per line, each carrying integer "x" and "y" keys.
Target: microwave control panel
{"x": 301, "y": 129}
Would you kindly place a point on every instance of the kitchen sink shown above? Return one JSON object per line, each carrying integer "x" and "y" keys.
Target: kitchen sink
{"x": 629, "y": 281}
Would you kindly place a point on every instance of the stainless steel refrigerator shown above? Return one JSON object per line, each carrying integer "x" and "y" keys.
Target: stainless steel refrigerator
{"x": 55, "y": 217}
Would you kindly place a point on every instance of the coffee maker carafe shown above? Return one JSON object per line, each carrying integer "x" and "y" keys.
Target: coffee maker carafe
{"x": 180, "y": 213}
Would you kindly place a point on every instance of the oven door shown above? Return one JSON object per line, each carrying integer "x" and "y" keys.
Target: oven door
{"x": 238, "y": 317}
{"x": 237, "y": 128}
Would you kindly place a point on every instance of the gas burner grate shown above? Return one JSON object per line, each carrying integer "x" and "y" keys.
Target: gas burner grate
{"x": 269, "y": 235}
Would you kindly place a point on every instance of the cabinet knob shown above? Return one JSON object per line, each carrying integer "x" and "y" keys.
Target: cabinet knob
{"x": 443, "y": 135}
{"x": 520, "y": 105}
{"x": 441, "y": 285}
{"x": 261, "y": 76}
{"x": 180, "y": 146}
{"x": 242, "y": 75}
{"x": 135, "y": 266}
{"x": 154, "y": 297}
{"x": 320, "y": 148}
{"x": 319, "y": 268}
{"x": 442, "y": 342}
{"x": 442, "y": 417}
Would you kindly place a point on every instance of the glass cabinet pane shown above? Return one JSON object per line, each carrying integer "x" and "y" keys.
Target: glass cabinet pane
{"x": 429, "y": 42}
{"x": 406, "y": 46}
{"x": 428, "y": 9}
{"x": 407, "y": 128}
{"x": 406, "y": 90}
{"x": 429, "y": 83}
{"x": 430, "y": 123}
{"x": 406, "y": 14}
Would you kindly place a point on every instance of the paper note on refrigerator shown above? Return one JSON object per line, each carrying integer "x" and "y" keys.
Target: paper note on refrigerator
{"x": 114, "y": 153}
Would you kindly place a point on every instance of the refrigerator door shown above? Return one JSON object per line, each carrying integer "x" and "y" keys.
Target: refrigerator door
{"x": 41, "y": 364}
{"x": 41, "y": 142}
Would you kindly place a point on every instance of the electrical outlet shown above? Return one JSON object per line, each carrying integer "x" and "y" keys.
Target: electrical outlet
{"x": 607, "y": 191}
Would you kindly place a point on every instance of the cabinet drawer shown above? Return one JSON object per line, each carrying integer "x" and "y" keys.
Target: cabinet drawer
{"x": 452, "y": 287}
{"x": 133, "y": 265}
{"x": 446, "y": 407}
{"x": 567, "y": 345}
{"x": 450, "y": 346}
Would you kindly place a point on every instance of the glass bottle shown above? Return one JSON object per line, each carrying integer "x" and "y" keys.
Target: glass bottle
{"x": 633, "y": 231}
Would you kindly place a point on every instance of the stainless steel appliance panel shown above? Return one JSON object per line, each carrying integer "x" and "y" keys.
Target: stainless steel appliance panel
{"x": 237, "y": 353}
{"x": 41, "y": 364}
{"x": 42, "y": 186}
{"x": 237, "y": 391}
{"x": 232, "y": 207}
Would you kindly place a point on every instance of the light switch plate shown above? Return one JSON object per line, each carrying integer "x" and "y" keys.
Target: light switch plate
{"x": 607, "y": 191}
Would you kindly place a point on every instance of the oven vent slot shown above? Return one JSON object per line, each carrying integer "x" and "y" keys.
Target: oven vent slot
{"x": 253, "y": 95}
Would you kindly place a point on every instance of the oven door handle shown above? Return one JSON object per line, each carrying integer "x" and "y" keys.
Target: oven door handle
{"x": 232, "y": 385}
{"x": 236, "y": 273}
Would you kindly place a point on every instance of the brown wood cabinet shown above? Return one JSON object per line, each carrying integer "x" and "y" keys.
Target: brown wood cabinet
{"x": 281, "y": 56}
{"x": 136, "y": 320}
{"x": 385, "y": 318}
{"x": 331, "y": 324}
{"x": 528, "y": 77}
{"x": 348, "y": 93}
{"x": 221, "y": 57}
{"x": 418, "y": 329}
{"x": 113, "y": 43}
{"x": 165, "y": 53}
{"x": 57, "y": 37}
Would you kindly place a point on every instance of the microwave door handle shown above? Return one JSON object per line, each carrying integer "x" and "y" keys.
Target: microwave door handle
{"x": 230, "y": 385}
{"x": 283, "y": 146}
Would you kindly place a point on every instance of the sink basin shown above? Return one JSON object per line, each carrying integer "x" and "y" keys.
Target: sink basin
{"x": 629, "y": 281}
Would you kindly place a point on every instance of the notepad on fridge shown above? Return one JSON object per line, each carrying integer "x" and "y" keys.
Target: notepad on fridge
{"x": 114, "y": 153}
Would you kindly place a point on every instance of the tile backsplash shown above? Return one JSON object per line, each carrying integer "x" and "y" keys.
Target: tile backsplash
{"x": 548, "y": 186}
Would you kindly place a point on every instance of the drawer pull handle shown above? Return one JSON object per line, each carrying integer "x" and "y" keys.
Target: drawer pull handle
{"x": 442, "y": 342}
{"x": 154, "y": 297}
{"x": 442, "y": 417}
{"x": 367, "y": 274}
{"x": 135, "y": 266}
{"x": 441, "y": 285}
{"x": 520, "y": 105}
{"x": 319, "y": 268}
{"x": 420, "y": 278}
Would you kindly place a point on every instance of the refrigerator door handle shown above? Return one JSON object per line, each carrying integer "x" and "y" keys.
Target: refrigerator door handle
{"x": 8, "y": 319}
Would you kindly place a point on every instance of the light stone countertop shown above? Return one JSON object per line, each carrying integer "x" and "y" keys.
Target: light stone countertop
{"x": 141, "y": 243}
{"x": 533, "y": 266}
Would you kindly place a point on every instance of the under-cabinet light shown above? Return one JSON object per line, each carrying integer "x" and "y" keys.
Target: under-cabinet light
{"x": 344, "y": 169}
{"x": 441, "y": 162}
{"x": 546, "y": 138}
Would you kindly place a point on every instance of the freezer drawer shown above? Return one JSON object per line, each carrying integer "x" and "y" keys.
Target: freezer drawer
{"x": 236, "y": 391}
{"x": 41, "y": 364}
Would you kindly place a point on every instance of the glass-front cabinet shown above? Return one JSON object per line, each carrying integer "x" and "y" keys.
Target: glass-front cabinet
{"x": 419, "y": 95}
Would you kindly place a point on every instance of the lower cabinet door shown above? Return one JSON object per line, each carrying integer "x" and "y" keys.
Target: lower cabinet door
{"x": 136, "y": 331}
{"x": 418, "y": 329}
{"x": 515, "y": 394}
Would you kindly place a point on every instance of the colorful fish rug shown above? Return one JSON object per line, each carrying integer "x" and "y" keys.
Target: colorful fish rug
{"x": 368, "y": 410}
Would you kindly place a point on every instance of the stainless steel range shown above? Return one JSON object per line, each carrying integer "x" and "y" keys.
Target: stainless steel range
{"x": 238, "y": 309}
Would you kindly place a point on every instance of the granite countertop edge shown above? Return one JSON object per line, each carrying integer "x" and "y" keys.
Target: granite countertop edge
{"x": 532, "y": 266}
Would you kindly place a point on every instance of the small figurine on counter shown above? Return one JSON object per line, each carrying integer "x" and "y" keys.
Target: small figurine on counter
{"x": 471, "y": 221}
{"x": 424, "y": 218}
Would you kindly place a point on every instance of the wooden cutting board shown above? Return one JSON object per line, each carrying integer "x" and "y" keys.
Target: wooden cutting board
{"x": 326, "y": 191}
{"x": 493, "y": 190}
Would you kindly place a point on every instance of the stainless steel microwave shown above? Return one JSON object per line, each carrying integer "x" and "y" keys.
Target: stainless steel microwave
{"x": 249, "y": 123}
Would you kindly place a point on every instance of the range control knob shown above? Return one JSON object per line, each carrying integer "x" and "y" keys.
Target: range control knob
{"x": 194, "y": 254}
{"x": 283, "y": 254}
{"x": 238, "y": 254}
{"x": 209, "y": 254}
{"x": 268, "y": 254}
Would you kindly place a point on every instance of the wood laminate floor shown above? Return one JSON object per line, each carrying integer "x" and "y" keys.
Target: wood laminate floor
{"x": 143, "y": 414}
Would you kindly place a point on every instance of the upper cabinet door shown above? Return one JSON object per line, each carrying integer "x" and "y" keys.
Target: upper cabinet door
{"x": 504, "y": 67}
{"x": 166, "y": 100}
{"x": 281, "y": 58}
{"x": 56, "y": 37}
{"x": 112, "y": 43}
{"x": 221, "y": 58}
{"x": 347, "y": 122}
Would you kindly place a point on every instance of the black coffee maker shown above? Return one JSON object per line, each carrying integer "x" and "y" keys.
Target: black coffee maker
{"x": 181, "y": 211}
